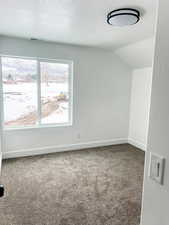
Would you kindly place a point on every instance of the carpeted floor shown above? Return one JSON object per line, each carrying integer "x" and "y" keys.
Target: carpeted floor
{"x": 101, "y": 186}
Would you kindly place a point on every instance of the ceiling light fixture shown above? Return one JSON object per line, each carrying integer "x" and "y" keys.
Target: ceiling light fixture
{"x": 123, "y": 17}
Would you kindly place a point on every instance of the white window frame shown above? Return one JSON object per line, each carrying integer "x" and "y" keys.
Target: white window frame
{"x": 39, "y": 124}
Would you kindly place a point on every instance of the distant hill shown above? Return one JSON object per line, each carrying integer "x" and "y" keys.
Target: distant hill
{"x": 19, "y": 68}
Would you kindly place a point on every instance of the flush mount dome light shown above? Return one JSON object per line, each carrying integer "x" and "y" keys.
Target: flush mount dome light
{"x": 123, "y": 17}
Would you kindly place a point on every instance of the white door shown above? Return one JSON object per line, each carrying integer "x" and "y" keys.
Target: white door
{"x": 1, "y": 113}
{"x": 1, "y": 149}
{"x": 1, "y": 131}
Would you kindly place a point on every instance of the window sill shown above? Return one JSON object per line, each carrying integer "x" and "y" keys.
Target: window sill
{"x": 62, "y": 125}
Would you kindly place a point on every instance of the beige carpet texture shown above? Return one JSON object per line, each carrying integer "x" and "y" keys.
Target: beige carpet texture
{"x": 98, "y": 186}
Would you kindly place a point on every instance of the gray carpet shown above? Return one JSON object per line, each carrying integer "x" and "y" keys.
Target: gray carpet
{"x": 101, "y": 186}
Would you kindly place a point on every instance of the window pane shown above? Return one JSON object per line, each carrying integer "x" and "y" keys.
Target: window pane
{"x": 54, "y": 92}
{"x": 19, "y": 91}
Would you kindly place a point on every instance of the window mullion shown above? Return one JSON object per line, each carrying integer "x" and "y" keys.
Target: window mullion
{"x": 39, "y": 92}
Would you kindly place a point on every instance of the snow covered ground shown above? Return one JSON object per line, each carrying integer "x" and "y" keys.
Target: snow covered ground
{"x": 59, "y": 116}
{"x": 21, "y": 99}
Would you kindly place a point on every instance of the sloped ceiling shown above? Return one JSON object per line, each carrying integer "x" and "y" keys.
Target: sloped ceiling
{"x": 139, "y": 54}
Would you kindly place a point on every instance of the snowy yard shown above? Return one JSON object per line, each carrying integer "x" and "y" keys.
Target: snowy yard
{"x": 20, "y": 84}
{"x": 20, "y": 103}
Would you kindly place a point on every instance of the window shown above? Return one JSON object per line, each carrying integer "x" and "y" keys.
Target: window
{"x": 36, "y": 92}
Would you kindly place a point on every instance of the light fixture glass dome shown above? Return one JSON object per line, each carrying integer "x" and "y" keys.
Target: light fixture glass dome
{"x": 123, "y": 17}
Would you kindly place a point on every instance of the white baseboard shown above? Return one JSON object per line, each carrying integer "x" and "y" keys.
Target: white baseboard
{"x": 137, "y": 144}
{"x": 62, "y": 148}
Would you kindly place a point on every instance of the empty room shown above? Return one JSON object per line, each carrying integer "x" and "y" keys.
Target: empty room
{"x": 84, "y": 112}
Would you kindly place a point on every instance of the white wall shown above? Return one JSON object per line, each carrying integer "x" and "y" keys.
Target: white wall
{"x": 102, "y": 86}
{"x": 140, "y": 106}
{"x": 156, "y": 197}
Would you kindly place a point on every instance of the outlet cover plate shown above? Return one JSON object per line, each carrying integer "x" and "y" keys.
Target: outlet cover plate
{"x": 156, "y": 171}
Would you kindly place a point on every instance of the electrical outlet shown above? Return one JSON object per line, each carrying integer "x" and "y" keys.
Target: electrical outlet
{"x": 156, "y": 172}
